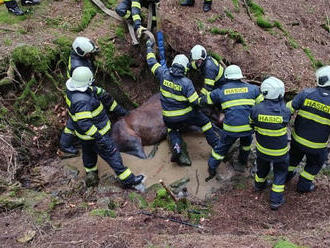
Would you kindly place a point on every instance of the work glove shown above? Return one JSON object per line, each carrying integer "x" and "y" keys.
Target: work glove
{"x": 140, "y": 31}
{"x": 150, "y": 44}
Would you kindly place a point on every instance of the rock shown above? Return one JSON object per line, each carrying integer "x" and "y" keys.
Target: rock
{"x": 103, "y": 213}
{"x": 27, "y": 236}
{"x": 138, "y": 200}
{"x": 180, "y": 182}
{"x": 106, "y": 202}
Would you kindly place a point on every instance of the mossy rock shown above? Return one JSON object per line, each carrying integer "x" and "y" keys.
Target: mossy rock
{"x": 7, "y": 202}
{"x": 286, "y": 244}
{"x": 138, "y": 200}
{"x": 101, "y": 212}
{"x": 163, "y": 200}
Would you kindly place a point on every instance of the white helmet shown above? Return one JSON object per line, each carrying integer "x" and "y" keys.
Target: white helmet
{"x": 323, "y": 76}
{"x": 83, "y": 46}
{"x": 272, "y": 88}
{"x": 198, "y": 52}
{"x": 233, "y": 72}
{"x": 181, "y": 59}
{"x": 82, "y": 78}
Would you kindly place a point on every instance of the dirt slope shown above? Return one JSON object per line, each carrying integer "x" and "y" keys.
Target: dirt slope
{"x": 267, "y": 51}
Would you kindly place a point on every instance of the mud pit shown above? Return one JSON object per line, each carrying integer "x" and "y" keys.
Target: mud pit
{"x": 160, "y": 167}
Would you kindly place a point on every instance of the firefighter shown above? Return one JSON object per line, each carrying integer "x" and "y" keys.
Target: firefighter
{"x": 311, "y": 130}
{"x": 236, "y": 99}
{"x": 211, "y": 70}
{"x": 179, "y": 101}
{"x": 81, "y": 55}
{"x": 269, "y": 120}
{"x": 92, "y": 125}
{"x": 13, "y": 8}
{"x": 132, "y": 8}
{"x": 206, "y": 5}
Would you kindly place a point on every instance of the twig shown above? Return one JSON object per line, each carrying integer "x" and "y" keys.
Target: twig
{"x": 168, "y": 190}
{"x": 197, "y": 179}
{"x": 171, "y": 219}
{"x": 8, "y": 29}
{"x": 246, "y": 6}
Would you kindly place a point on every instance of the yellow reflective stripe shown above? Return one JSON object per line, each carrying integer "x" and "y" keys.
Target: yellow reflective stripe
{"x": 104, "y": 130}
{"x": 136, "y": 5}
{"x": 235, "y": 129}
{"x": 209, "y": 81}
{"x": 125, "y": 174}
{"x": 259, "y": 179}
{"x": 128, "y": 14}
{"x": 289, "y": 106}
{"x": 136, "y": 17}
{"x": 291, "y": 168}
{"x": 193, "y": 65}
{"x": 271, "y": 132}
{"x": 67, "y": 100}
{"x": 193, "y": 97}
{"x": 91, "y": 169}
{"x": 237, "y": 102}
{"x": 173, "y": 96}
{"x": 209, "y": 99}
{"x": 314, "y": 117}
{"x": 204, "y": 91}
{"x": 155, "y": 67}
{"x": 92, "y": 130}
{"x": 67, "y": 130}
{"x": 307, "y": 175}
{"x": 154, "y": 18}
{"x": 151, "y": 55}
{"x": 69, "y": 68}
{"x": 272, "y": 152}
{"x": 83, "y": 115}
{"x": 82, "y": 136}
{"x": 259, "y": 99}
{"x": 278, "y": 188}
{"x": 113, "y": 105}
{"x": 97, "y": 111}
{"x": 217, "y": 156}
{"x": 246, "y": 148}
{"x": 207, "y": 126}
{"x": 169, "y": 130}
{"x": 308, "y": 143}
{"x": 177, "y": 112}
{"x": 219, "y": 73}
{"x": 99, "y": 90}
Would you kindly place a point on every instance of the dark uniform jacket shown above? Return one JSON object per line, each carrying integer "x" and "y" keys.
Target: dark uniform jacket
{"x": 128, "y": 7}
{"x": 213, "y": 74}
{"x": 312, "y": 124}
{"x": 75, "y": 61}
{"x": 90, "y": 120}
{"x": 236, "y": 99}
{"x": 178, "y": 95}
{"x": 269, "y": 119}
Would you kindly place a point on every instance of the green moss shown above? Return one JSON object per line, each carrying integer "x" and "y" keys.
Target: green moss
{"x": 326, "y": 27}
{"x": 39, "y": 60}
{"x": 263, "y": 23}
{"x": 315, "y": 63}
{"x": 120, "y": 32}
{"x": 88, "y": 12}
{"x": 255, "y": 8}
{"x": 236, "y": 5}
{"x": 229, "y": 14}
{"x": 138, "y": 199}
{"x": 214, "y": 18}
{"x": 286, "y": 244}
{"x": 101, "y": 212}
{"x": 293, "y": 43}
{"x": 111, "y": 4}
{"x": 200, "y": 25}
{"x": 215, "y": 55}
{"x": 7, "y": 42}
{"x": 231, "y": 33}
{"x": 163, "y": 200}
{"x": 7, "y": 18}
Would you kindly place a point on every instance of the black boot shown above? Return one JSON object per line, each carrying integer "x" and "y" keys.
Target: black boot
{"x": 261, "y": 186}
{"x": 176, "y": 152}
{"x": 30, "y": 2}
{"x": 13, "y": 8}
{"x": 187, "y": 2}
{"x": 70, "y": 150}
{"x": 92, "y": 178}
{"x": 212, "y": 173}
{"x": 276, "y": 205}
{"x": 207, "y": 6}
{"x": 134, "y": 181}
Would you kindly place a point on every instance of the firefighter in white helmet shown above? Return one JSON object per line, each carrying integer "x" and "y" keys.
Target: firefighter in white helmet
{"x": 269, "y": 120}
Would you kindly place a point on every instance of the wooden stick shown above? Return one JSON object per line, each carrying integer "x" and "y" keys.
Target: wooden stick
{"x": 246, "y": 6}
{"x": 149, "y": 17}
{"x": 168, "y": 191}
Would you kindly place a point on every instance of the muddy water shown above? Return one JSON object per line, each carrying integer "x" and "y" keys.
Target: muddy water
{"x": 160, "y": 167}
